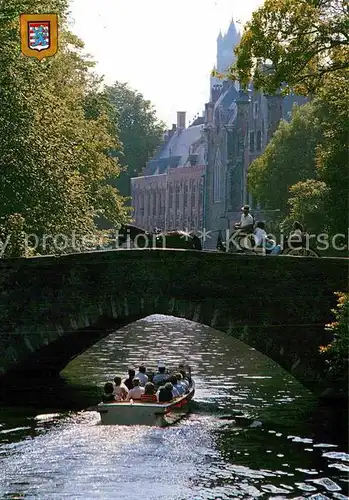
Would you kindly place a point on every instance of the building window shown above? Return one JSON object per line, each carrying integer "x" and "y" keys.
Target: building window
{"x": 141, "y": 204}
{"x": 251, "y": 142}
{"x": 154, "y": 202}
{"x": 178, "y": 190}
{"x": 170, "y": 196}
{"x": 259, "y": 141}
{"x": 186, "y": 190}
{"x": 255, "y": 109}
{"x": 148, "y": 194}
{"x": 193, "y": 194}
{"x": 217, "y": 177}
{"x": 201, "y": 190}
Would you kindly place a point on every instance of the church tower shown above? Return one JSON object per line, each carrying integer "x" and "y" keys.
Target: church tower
{"x": 225, "y": 52}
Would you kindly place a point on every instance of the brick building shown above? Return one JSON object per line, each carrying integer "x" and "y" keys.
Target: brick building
{"x": 170, "y": 193}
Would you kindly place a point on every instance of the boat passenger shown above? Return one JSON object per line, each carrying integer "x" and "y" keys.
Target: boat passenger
{"x": 129, "y": 381}
{"x": 165, "y": 394}
{"x": 170, "y": 387}
{"x": 108, "y": 396}
{"x": 175, "y": 391}
{"x": 185, "y": 379}
{"x": 143, "y": 378}
{"x": 181, "y": 386}
{"x": 136, "y": 392}
{"x": 149, "y": 395}
{"x": 120, "y": 389}
{"x": 161, "y": 376}
{"x": 185, "y": 370}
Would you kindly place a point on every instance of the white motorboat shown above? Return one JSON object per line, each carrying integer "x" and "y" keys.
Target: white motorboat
{"x": 137, "y": 413}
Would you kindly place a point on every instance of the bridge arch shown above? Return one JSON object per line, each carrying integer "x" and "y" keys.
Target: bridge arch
{"x": 57, "y": 307}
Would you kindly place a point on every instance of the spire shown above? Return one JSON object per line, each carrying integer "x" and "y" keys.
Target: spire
{"x": 220, "y": 36}
{"x": 232, "y": 31}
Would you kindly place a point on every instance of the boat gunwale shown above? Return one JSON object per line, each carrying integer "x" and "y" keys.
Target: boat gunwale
{"x": 136, "y": 402}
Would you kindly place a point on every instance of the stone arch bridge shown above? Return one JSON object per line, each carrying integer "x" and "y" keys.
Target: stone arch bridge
{"x": 54, "y": 308}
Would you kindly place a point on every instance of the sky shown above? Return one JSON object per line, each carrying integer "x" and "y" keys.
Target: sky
{"x": 165, "y": 50}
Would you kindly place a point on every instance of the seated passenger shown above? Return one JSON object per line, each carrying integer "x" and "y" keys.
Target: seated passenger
{"x": 108, "y": 396}
{"x": 184, "y": 381}
{"x": 143, "y": 378}
{"x": 136, "y": 392}
{"x": 169, "y": 386}
{"x": 262, "y": 240}
{"x": 149, "y": 395}
{"x": 176, "y": 390}
{"x": 129, "y": 381}
{"x": 161, "y": 376}
{"x": 186, "y": 376}
{"x": 120, "y": 390}
{"x": 165, "y": 394}
{"x": 181, "y": 386}
{"x": 150, "y": 374}
{"x": 297, "y": 234}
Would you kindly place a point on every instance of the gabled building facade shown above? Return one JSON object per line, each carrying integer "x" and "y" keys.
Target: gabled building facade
{"x": 170, "y": 194}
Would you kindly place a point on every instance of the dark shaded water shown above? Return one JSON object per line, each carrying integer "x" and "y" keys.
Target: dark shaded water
{"x": 287, "y": 447}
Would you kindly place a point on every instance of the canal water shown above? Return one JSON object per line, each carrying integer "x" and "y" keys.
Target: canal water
{"x": 285, "y": 447}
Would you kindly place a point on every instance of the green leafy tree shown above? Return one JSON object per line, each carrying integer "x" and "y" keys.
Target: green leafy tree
{"x": 337, "y": 351}
{"x": 307, "y": 160}
{"x": 296, "y": 42}
{"x": 139, "y": 130}
{"x": 307, "y": 204}
{"x": 322, "y": 203}
{"x": 332, "y": 157}
{"x": 288, "y": 158}
{"x": 54, "y": 153}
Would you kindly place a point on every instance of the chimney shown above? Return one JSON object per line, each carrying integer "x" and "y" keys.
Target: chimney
{"x": 170, "y": 132}
{"x": 181, "y": 119}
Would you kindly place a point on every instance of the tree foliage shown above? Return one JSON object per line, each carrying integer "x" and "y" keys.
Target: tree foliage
{"x": 304, "y": 169}
{"x": 296, "y": 42}
{"x": 338, "y": 350}
{"x": 54, "y": 151}
{"x": 139, "y": 130}
{"x": 332, "y": 156}
{"x": 288, "y": 158}
{"x": 307, "y": 204}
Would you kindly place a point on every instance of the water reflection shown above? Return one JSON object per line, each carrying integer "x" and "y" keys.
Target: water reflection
{"x": 253, "y": 432}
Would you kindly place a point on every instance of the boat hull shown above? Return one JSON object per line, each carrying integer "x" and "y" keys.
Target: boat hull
{"x": 137, "y": 413}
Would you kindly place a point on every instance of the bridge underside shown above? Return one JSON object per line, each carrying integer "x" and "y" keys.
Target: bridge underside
{"x": 56, "y": 308}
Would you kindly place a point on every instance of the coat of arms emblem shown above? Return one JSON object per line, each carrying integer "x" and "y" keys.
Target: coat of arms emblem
{"x": 39, "y": 35}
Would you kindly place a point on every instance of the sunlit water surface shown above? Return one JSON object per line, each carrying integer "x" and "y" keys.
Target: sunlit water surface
{"x": 286, "y": 447}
